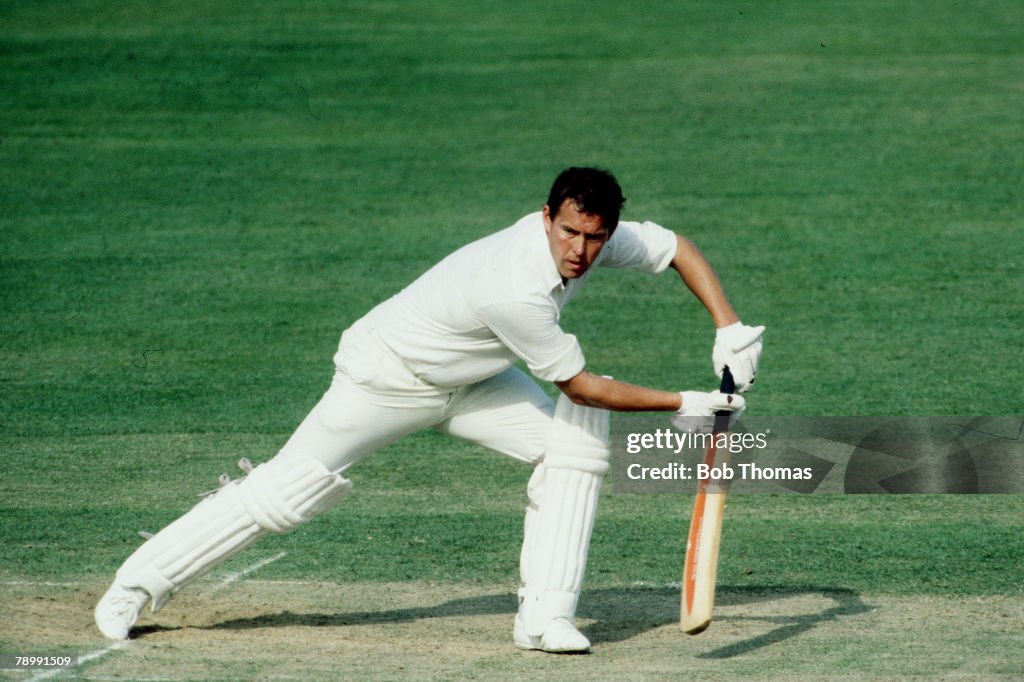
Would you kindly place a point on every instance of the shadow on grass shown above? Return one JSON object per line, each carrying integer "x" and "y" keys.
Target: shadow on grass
{"x": 624, "y": 613}
{"x": 845, "y": 602}
{"x": 619, "y": 613}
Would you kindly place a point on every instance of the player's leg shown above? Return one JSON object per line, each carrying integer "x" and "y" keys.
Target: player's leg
{"x": 353, "y": 420}
{"x": 275, "y": 497}
{"x": 302, "y": 481}
{"x": 563, "y": 494}
{"x": 510, "y": 413}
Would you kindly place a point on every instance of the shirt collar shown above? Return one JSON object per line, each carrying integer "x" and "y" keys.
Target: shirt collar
{"x": 542, "y": 262}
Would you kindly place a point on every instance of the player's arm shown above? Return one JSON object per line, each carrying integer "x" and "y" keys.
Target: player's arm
{"x": 593, "y": 390}
{"x": 700, "y": 278}
{"x": 737, "y": 345}
{"x": 597, "y": 391}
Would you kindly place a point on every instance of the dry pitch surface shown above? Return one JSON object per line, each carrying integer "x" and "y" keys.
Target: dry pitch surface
{"x": 230, "y": 627}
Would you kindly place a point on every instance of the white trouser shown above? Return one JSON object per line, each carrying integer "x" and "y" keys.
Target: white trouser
{"x": 363, "y": 411}
{"x": 373, "y": 400}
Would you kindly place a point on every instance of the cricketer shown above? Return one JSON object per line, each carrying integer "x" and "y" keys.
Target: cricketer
{"x": 440, "y": 354}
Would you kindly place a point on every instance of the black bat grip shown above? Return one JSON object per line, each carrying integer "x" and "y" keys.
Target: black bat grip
{"x": 728, "y": 385}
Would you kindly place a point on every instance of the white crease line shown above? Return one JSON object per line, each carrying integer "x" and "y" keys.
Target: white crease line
{"x": 111, "y": 677}
{"x": 289, "y": 582}
{"x": 643, "y": 583}
{"x": 235, "y": 577}
{"x": 30, "y": 583}
{"x": 84, "y": 658}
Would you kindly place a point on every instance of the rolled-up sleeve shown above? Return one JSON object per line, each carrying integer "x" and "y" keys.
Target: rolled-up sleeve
{"x": 647, "y": 247}
{"x": 530, "y": 329}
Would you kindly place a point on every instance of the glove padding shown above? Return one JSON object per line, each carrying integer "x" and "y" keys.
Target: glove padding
{"x": 739, "y": 347}
{"x": 697, "y": 412}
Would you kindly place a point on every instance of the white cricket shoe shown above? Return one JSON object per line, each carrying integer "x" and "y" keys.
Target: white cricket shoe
{"x": 560, "y": 637}
{"x": 117, "y": 611}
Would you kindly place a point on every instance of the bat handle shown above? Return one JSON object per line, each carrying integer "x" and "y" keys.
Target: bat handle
{"x": 728, "y": 385}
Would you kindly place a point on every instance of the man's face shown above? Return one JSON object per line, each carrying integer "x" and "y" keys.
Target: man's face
{"x": 574, "y": 238}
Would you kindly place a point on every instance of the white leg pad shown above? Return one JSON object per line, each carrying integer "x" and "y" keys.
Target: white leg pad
{"x": 531, "y": 524}
{"x": 276, "y": 497}
{"x": 563, "y": 504}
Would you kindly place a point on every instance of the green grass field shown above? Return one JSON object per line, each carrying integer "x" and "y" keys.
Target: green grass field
{"x": 195, "y": 200}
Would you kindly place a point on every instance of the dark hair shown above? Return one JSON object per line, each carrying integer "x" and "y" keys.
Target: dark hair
{"x": 592, "y": 190}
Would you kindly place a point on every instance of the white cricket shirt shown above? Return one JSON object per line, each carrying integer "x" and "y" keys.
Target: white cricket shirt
{"x": 497, "y": 300}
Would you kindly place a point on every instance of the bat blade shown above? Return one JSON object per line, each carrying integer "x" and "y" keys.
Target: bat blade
{"x": 701, "y": 565}
{"x": 702, "y": 545}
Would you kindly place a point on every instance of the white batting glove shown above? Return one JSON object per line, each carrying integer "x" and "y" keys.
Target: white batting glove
{"x": 739, "y": 347}
{"x": 697, "y": 412}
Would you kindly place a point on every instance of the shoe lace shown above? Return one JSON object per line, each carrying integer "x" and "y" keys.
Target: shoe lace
{"x": 127, "y": 602}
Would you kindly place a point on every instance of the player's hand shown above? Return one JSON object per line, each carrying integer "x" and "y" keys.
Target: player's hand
{"x": 698, "y": 409}
{"x": 739, "y": 347}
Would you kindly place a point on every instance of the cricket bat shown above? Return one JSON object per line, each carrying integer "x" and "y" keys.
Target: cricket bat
{"x": 701, "y": 565}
